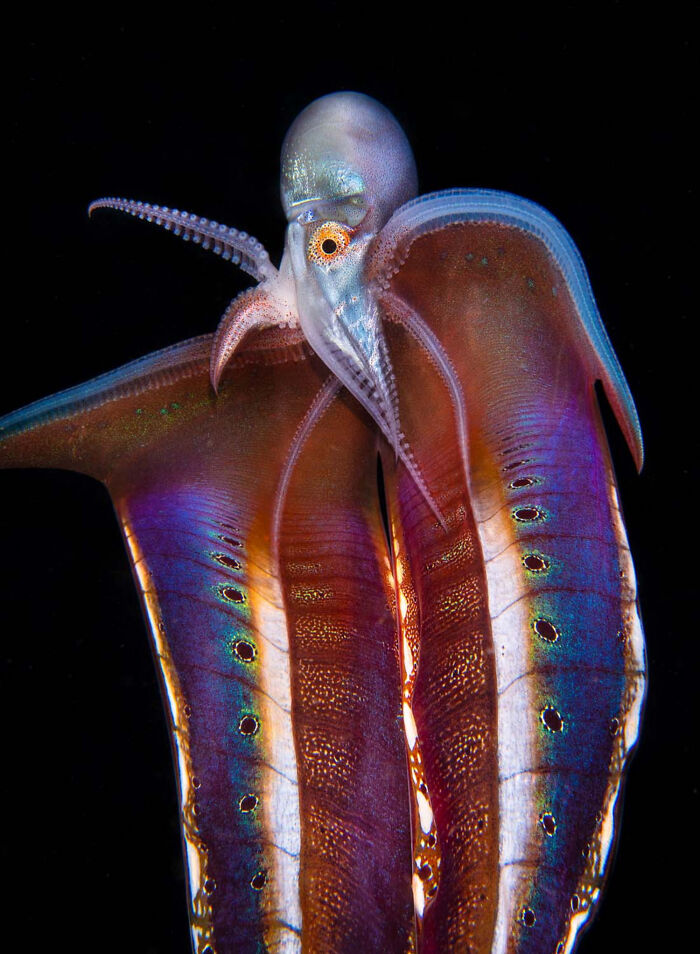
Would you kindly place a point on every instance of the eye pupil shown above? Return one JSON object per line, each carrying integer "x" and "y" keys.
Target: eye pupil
{"x": 327, "y": 243}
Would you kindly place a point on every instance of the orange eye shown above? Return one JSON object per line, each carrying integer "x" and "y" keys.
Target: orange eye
{"x": 328, "y": 242}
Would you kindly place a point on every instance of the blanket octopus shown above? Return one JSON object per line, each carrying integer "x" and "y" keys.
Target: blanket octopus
{"x": 376, "y": 533}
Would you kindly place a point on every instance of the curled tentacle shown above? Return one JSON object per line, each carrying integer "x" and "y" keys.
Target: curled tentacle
{"x": 253, "y": 308}
{"x": 242, "y": 249}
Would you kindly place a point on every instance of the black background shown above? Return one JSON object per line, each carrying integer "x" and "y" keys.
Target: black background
{"x": 583, "y": 112}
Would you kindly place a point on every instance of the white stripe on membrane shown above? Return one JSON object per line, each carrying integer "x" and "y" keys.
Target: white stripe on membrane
{"x": 279, "y": 804}
{"x": 516, "y": 744}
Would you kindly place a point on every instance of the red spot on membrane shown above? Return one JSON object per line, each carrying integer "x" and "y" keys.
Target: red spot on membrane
{"x": 228, "y": 561}
{"x": 551, "y": 719}
{"x": 548, "y": 823}
{"x": 425, "y": 872}
{"x": 210, "y": 886}
{"x": 614, "y": 727}
{"x": 520, "y": 482}
{"x": 518, "y": 463}
{"x": 575, "y": 903}
{"x": 248, "y": 803}
{"x": 527, "y": 916}
{"x": 528, "y": 514}
{"x": 196, "y": 782}
{"x": 545, "y": 630}
{"x": 535, "y": 563}
{"x": 248, "y": 725}
{"x": 259, "y": 881}
{"x": 244, "y": 650}
{"x": 231, "y": 594}
{"x": 232, "y": 541}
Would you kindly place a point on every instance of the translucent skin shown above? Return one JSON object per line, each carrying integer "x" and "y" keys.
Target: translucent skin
{"x": 346, "y": 154}
{"x": 346, "y": 160}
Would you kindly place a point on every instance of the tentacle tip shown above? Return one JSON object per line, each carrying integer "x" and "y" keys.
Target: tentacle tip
{"x": 215, "y": 378}
{"x": 217, "y": 366}
{"x": 95, "y": 204}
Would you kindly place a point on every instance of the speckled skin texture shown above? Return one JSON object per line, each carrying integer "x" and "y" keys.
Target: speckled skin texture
{"x": 539, "y": 457}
